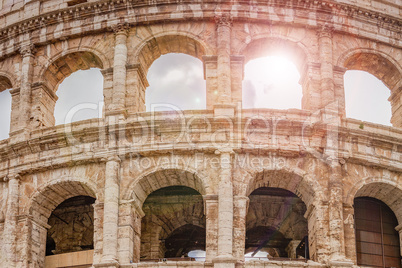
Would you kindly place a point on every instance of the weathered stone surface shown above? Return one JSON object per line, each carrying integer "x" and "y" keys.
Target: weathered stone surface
{"x": 223, "y": 153}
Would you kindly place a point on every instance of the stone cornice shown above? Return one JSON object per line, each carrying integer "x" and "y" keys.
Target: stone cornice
{"x": 91, "y": 9}
{"x": 93, "y": 147}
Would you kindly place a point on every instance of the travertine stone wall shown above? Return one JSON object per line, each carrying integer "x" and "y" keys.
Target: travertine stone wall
{"x": 224, "y": 153}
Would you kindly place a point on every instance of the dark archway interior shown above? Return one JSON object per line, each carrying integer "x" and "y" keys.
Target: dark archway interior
{"x": 276, "y": 224}
{"x": 72, "y": 226}
{"x": 267, "y": 239}
{"x": 174, "y": 219}
{"x": 183, "y": 240}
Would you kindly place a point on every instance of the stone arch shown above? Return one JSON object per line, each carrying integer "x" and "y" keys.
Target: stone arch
{"x": 156, "y": 178}
{"x": 378, "y": 63}
{"x": 180, "y": 222}
{"x": 383, "y": 189}
{"x": 382, "y": 66}
{"x": 7, "y": 81}
{"x": 294, "y": 181}
{"x": 50, "y": 195}
{"x": 279, "y": 200}
{"x": 263, "y": 45}
{"x": 160, "y": 221}
{"x": 169, "y": 42}
{"x": 44, "y": 201}
{"x": 59, "y": 67}
{"x": 68, "y": 62}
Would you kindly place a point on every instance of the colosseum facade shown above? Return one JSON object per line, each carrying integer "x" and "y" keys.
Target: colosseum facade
{"x": 308, "y": 186}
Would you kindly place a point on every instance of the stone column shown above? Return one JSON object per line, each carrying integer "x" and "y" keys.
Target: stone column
{"x": 111, "y": 212}
{"x": 291, "y": 248}
{"x": 25, "y": 89}
{"x": 326, "y": 68}
{"x": 339, "y": 89}
{"x": 237, "y": 74}
{"x": 335, "y": 206}
{"x": 10, "y": 224}
{"x": 310, "y": 81}
{"x": 138, "y": 215}
{"x": 15, "y": 102}
{"x": 98, "y": 231}
{"x": 349, "y": 230}
{"x": 223, "y": 28}
{"x": 336, "y": 223}
{"x": 239, "y": 228}
{"x": 119, "y": 70}
{"x": 225, "y": 216}
{"x": 43, "y": 103}
{"x": 211, "y": 79}
{"x": 396, "y": 105}
{"x": 136, "y": 83}
{"x": 211, "y": 215}
{"x": 129, "y": 232}
{"x": 317, "y": 218}
{"x": 33, "y": 234}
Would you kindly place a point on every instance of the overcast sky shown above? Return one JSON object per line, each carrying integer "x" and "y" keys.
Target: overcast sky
{"x": 177, "y": 79}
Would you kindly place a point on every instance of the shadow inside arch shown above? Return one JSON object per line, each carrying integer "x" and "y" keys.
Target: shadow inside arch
{"x": 158, "y": 179}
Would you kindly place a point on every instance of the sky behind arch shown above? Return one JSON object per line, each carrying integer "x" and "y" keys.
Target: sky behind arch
{"x": 177, "y": 79}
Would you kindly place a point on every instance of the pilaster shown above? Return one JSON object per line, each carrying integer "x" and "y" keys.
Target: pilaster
{"x": 129, "y": 233}
{"x": 43, "y": 103}
{"x": 211, "y": 215}
{"x": 111, "y": 214}
{"x": 117, "y": 107}
{"x": 210, "y": 64}
{"x": 317, "y": 218}
{"x": 98, "y": 230}
{"x": 20, "y": 130}
{"x": 11, "y": 220}
{"x": 396, "y": 105}
{"x": 237, "y": 75}
{"x": 239, "y": 226}
{"x": 136, "y": 83}
{"x": 27, "y": 54}
{"x": 223, "y": 28}
{"x": 326, "y": 66}
{"x": 225, "y": 217}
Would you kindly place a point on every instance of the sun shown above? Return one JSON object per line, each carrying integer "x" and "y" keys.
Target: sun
{"x": 271, "y": 82}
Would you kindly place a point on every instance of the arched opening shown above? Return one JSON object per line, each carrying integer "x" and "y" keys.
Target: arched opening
{"x": 377, "y": 241}
{"x": 71, "y": 226}
{"x": 5, "y": 107}
{"x": 62, "y": 219}
{"x": 273, "y": 70}
{"x": 366, "y": 97}
{"x": 275, "y": 224}
{"x": 173, "y": 225}
{"x": 76, "y": 83}
{"x": 80, "y": 97}
{"x": 385, "y": 69}
{"x": 176, "y": 82}
{"x": 176, "y": 76}
{"x": 271, "y": 82}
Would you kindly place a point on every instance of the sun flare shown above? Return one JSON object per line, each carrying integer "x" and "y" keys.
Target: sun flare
{"x": 271, "y": 82}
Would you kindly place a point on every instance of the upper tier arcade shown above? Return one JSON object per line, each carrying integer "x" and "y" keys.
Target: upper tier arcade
{"x": 120, "y": 188}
